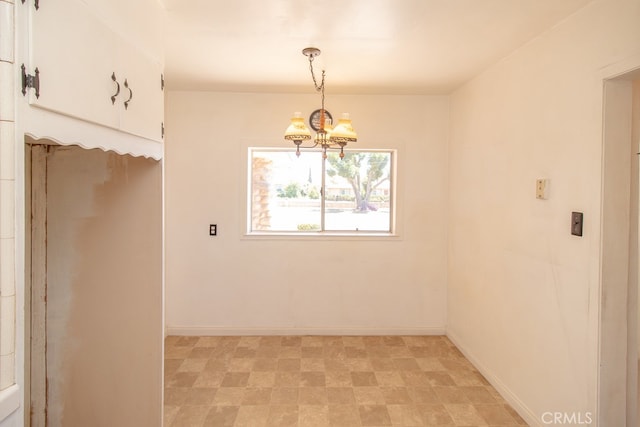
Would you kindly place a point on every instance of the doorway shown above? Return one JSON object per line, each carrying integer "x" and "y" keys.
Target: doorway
{"x": 618, "y": 386}
{"x": 95, "y": 306}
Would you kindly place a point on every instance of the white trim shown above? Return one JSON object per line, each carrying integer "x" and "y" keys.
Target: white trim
{"x": 9, "y": 401}
{"x": 513, "y": 400}
{"x": 64, "y": 130}
{"x": 259, "y": 331}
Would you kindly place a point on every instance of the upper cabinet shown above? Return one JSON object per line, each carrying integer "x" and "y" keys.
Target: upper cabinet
{"x": 81, "y": 65}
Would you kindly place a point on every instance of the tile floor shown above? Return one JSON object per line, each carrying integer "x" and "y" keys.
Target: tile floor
{"x": 326, "y": 381}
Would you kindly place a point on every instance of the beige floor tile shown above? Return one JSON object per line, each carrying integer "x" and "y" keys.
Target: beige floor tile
{"x": 287, "y": 379}
{"x": 313, "y": 415}
{"x": 312, "y": 341}
{"x": 374, "y": 415}
{"x": 338, "y": 379}
{"x": 282, "y": 416}
{"x": 240, "y": 365}
{"x": 190, "y": 416}
{"x": 396, "y": 395}
{"x": 368, "y": 396}
{"x": 405, "y": 415}
{"x": 430, "y": 364}
{"x": 312, "y": 352}
{"x": 291, "y": 342}
{"x": 312, "y": 365}
{"x": 340, "y": 396}
{"x": 289, "y": 365}
{"x": 335, "y": 365}
{"x": 200, "y": 396}
{"x": 310, "y": 381}
{"x": 478, "y": 394}
{"x": 382, "y": 364}
{"x": 344, "y": 416}
{"x": 175, "y": 396}
{"x": 451, "y": 394}
{"x": 390, "y": 379}
{"x": 465, "y": 415}
{"x": 353, "y": 342}
{"x": 182, "y": 379}
{"x": 192, "y": 365}
{"x": 423, "y": 395}
{"x": 360, "y": 364}
{"x": 265, "y": 365}
{"x": 257, "y": 396}
{"x": 417, "y": 378}
{"x": 235, "y": 379}
{"x": 229, "y": 396}
{"x": 252, "y": 416}
{"x": 435, "y": 415}
{"x": 261, "y": 379}
{"x": 363, "y": 379}
{"x": 495, "y": 414}
{"x": 221, "y": 416}
{"x": 208, "y": 342}
{"x": 209, "y": 379}
{"x": 285, "y": 396}
{"x": 406, "y": 364}
{"x": 169, "y": 414}
{"x": 313, "y": 396}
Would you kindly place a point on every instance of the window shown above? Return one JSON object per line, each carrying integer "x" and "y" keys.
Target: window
{"x": 308, "y": 194}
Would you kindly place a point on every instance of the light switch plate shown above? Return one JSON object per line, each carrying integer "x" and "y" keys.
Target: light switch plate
{"x": 576, "y": 223}
{"x": 213, "y": 229}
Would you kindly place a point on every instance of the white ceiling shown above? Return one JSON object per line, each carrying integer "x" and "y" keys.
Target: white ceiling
{"x": 368, "y": 46}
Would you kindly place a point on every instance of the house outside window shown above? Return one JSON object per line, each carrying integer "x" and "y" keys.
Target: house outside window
{"x": 311, "y": 195}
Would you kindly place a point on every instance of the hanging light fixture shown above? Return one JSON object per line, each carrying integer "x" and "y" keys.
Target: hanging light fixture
{"x": 320, "y": 120}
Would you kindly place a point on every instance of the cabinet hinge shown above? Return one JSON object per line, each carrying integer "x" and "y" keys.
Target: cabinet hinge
{"x": 162, "y": 124}
{"x": 162, "y": 81}
{"x": 30, "y": 81}
{"x": 36, "y": 4}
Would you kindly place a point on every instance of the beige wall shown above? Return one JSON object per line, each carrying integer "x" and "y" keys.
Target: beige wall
{"x": 104, "y": 310}
{"x": 230, "y": 284}
{"x": 523, "y": 293}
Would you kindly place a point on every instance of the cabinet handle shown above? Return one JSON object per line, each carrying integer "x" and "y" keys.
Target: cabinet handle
{"x": 126, "y": 103}
{"x": 113, "y": 97}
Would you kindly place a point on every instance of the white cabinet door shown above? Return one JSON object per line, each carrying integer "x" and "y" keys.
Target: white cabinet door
{"x": 75, "y": 56}
{"x": 141, "y": 102}
{"x": 89, "y": 72}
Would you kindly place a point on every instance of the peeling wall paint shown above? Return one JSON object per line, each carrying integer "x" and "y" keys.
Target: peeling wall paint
{"x": 104, "y": 317}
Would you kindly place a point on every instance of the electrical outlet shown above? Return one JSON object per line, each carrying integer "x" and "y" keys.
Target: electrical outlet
{"x": 213, "y": 229}
{"x": 542, "y": 189}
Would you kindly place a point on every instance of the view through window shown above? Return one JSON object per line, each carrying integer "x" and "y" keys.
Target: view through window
{"x": 310, "y": 194}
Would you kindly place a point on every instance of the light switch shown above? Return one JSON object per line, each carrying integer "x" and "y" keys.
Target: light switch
{"x": 213, "y": 229}
{"x": 542, "y": 189}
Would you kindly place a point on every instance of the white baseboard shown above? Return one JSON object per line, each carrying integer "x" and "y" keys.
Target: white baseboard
{"x": 501, "y": 387}
{"x": 232, "y": 331}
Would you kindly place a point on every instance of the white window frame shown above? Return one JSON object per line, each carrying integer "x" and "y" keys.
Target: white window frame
{"x": 322, "y": 233}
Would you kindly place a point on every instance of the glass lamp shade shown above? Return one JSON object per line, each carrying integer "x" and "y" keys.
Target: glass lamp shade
{"x": 343, "y": 132}
{"x": 297, "y": 130}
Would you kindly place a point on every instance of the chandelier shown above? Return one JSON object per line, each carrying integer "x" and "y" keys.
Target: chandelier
{"x": 327, "y": 137}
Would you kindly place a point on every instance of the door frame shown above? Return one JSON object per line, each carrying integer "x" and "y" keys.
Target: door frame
{"x": 36, "y": 284}
{"x": 617, "y": 294}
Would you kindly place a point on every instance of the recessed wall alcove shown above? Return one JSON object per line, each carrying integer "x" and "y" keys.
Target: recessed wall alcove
{"x": 95, "y": 249}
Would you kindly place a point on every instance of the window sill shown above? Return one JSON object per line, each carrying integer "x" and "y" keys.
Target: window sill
{"x": 321, "y": 236}
{"x": 9, "y": 401}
